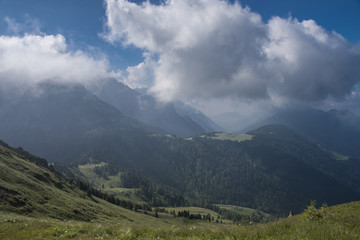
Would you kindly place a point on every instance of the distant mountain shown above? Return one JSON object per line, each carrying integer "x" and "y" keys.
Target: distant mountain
{"x": 173, "y": 118}
{"x": 233, "y": 121}
{"x": 197, "y": 116}
{"x": 343, "y": 168}
{"x": 338, "y": 130}
{"x": 62, "y": 122}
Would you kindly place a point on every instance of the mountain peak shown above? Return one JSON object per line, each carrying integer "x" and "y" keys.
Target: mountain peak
{"x": 170, "y": 117}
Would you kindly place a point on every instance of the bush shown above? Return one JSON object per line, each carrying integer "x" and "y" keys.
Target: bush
{"x": 312, "y": 213}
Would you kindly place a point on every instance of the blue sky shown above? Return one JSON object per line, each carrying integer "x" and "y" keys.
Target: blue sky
{"x": 340, "y": 16}
{"x": 81, "y": 21}
{"x": 216, "y": 56}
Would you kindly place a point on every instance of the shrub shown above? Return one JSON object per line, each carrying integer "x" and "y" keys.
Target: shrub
{"x": 312, "y": 213}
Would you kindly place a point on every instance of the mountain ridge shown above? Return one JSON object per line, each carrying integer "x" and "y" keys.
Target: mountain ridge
{"x": 336, "y": 129}
{"x": 63, "y": 119}
{"x": 69, "y": 124}
{"x": 171, "y": 117}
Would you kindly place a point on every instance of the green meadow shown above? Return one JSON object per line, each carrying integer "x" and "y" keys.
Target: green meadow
{"x": 337, "y": 222}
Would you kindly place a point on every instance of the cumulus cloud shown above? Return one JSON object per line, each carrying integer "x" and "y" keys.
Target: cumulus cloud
{"x": 308, "y": 62}
{"x": 31, "y": 59}
{"x": 140, "y": 76}
{"x": 214, "y": 49}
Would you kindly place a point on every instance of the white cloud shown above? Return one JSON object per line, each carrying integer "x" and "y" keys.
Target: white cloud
{"x": 31, "y": 59}
{"x": 308, "y": 62}
{"x": 140, "y": 76}
{"x": 214, "y": 49}
{"x": 196, "y": 44}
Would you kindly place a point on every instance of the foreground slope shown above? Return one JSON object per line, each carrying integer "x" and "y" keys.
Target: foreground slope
{"x": 29, "y": 187}
{"x": 337, "y": 222}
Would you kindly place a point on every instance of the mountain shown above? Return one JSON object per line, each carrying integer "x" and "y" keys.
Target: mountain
{"x": 337, "y": 129}
{"x": 62, "y": 122}
{"x": 233, "y": 121}
{"x": 276, "y": 170}
{"x": 273, "y": 169}
{"x": 197, "y": 116}
{"x": 170, "y": 117}
{"x": 282, "y": 138}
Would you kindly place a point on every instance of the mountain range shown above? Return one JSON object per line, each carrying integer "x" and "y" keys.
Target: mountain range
{"x": 176, "y": 118}
{"x": 63, "y": 121}
{"x": 272, "y": 168}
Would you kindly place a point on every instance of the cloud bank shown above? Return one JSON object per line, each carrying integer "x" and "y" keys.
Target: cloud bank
{"x": 203, "y": 49}
{"x": 31, "y": 59}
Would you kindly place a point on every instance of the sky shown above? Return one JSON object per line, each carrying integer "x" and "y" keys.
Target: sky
{"x": 238, "y": 59}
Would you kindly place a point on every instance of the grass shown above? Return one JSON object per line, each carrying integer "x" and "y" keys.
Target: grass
{"x": 35, "y": 191}
{"x": 340, "y": 157}
{"x": 229, "y": 136}
{"x": 339, "y": 222}
{"x": 88, "y": 171}
{"x": 242, "y": 210}
{"x": 111, "y": 185}
{"x": 194, "y": 210}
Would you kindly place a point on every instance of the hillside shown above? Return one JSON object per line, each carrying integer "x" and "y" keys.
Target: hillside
{"x": 337, "y": 222}
{"x": 30, "y": 188}
{"x": 336, "y": 129}
{"x": 273, "y": 169}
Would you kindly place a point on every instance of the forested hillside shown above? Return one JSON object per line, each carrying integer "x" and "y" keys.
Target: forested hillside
{"x": 336, "y": 129}
{"x": 275, "y": 171}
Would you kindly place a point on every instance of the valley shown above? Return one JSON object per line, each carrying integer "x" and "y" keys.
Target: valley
{"x": 38, "y": 203}
{"x": 108, "y": 167}
{"x": 272, "y": 168}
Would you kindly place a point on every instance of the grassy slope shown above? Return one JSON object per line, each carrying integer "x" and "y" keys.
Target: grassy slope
{"x": 241, "y": 210}
{"x": 111, "y": 185}
{"x": 228, "y": 136}
{"x": 35, "y": 191}
{"x": 339, "y": 222}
